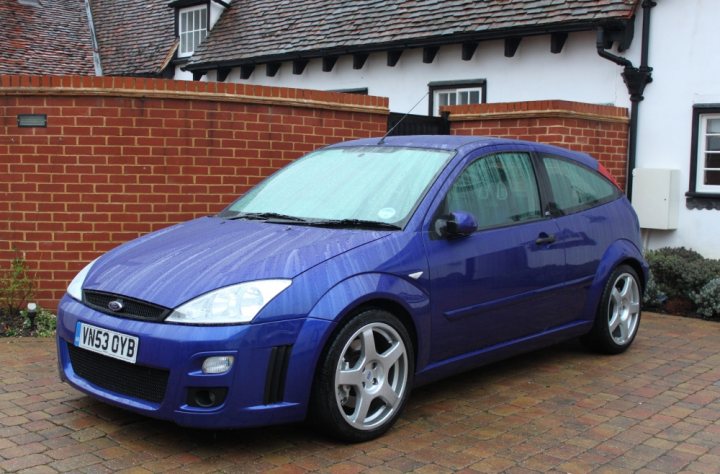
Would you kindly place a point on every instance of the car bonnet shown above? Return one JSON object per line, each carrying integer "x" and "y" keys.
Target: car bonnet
{"x": 177, "y": 264}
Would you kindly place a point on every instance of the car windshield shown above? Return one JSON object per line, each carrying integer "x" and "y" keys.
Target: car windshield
{"x": 345, "y": 186}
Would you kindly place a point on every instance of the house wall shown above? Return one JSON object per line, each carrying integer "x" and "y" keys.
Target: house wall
{"x": 121, "y": 157}
{"x": 683, "y": 36}
{"x": 600, "y": 130}
{"x": 534, "y": 73}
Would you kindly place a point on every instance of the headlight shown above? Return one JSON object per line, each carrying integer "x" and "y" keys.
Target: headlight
{"x": 230, "y": 305}
{"x": 75, "y": 287}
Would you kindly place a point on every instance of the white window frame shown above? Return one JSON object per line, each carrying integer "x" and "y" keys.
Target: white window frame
{"x": 700, "y": 167}
{"x": 457, "y": 93}
{"x": 198, "y": 32}
{"x": 456, "y": 89}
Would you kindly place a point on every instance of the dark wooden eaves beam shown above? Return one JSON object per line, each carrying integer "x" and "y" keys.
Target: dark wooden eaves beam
{"x": 299, "y": 66}
{"x": 272, "y": 68}
{"x": 359, "y": 60}
{"x": 468, "y": 50}
{"x": 222, "y": 73}
{"x": 429, "y": 53}
{"x": 246, "y": 71}
{"x": 511, "y": 46}
{"x": 393, "y": 56}
{"x": 328, "y": 63}
{"x": 557, "y": 42}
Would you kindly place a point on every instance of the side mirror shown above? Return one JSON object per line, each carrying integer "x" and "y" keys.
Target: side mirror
{"x": 456, "y": 224}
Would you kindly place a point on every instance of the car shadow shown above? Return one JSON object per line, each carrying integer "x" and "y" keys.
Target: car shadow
{"x": 487, "y": 386}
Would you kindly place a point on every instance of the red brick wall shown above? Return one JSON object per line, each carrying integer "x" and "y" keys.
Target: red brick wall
{"x": 121, "y": 157}
{"x": 599, "y": 130}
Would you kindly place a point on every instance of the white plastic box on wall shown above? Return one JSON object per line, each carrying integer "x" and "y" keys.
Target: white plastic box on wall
{"x": 655, "y": 197}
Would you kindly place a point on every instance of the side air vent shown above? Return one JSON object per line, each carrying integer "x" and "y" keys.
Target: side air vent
{"x": 276, "y": 373}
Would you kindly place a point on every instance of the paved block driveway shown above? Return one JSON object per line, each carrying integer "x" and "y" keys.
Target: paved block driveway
{"x": 654, "y": 409}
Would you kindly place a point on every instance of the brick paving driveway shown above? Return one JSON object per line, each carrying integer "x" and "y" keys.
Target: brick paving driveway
{"x": 655, "y": 408}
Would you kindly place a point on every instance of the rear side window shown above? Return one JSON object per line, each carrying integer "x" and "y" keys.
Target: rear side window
{"x": 576, "y": 187}
{"x": 497, "y": 190}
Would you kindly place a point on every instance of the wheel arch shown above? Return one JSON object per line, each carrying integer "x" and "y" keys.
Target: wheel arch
{"x": 621, "y": 252}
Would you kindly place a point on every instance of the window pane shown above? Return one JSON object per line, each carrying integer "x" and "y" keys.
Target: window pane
{"x": 713, "y": 143}
{"x": 183, "y": 22}
{"x": 497, "y": 190}
{"x": 712, "y": 160}
{"x": 713, "y": 126}
{"x": 463, "y": 99}
{"x": 203, "y": 19}
{"x": 452, "y": 99}
{"x": 712, "y": 178}
{"x": 575, "y": 187}
{"x": 474, "y": 97}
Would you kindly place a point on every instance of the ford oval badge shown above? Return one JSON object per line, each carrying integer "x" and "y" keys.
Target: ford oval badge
{"x": 115, "y": 305}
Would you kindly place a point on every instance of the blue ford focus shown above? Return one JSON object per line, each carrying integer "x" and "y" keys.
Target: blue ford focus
{"x": 361, "y": 270}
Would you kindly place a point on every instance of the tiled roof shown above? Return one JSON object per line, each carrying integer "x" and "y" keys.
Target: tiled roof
{"x": 50, "y": 38}
{"x": 134, "y": 36}
{"x": 257, "y": 30}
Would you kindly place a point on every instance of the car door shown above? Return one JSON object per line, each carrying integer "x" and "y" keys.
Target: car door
{"x": 497, "y": 284}
{"x": 586, "y": 225}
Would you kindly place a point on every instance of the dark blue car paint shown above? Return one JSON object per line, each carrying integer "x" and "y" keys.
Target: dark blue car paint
{"x": 462, "y": 311}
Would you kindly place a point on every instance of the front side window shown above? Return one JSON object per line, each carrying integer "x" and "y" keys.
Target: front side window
{"x": 377, "y": 184}
{"x": 192, "y": 29}
{"x": 497, "y": 190}
{"x": 575, "y": 187}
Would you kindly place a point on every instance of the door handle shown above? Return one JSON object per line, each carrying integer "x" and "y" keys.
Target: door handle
{"x": 544, "y": 238}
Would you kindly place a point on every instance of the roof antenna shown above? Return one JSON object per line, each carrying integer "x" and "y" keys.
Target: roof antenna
{"x": 382, "y": 140}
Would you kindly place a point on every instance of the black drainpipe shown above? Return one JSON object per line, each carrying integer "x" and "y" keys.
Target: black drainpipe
{"x": 636, "y": 78}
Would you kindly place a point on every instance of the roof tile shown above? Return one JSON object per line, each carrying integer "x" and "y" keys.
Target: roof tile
{"x": 134, "y": 36}
{"x": 51, "y": 38}
{"x": 256, "y": 29}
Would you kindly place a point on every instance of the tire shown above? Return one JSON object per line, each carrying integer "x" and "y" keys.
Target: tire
{"x": 364, "y": 378}
{"x": 618, "y": 315}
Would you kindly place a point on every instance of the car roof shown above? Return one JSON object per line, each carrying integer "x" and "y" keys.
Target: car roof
{"x": 465, "y": 144}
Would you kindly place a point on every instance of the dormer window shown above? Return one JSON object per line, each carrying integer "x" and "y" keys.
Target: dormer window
{"x": 192, "y": 29}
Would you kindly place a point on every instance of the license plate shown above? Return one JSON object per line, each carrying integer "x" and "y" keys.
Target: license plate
{"x": 104, "y": 341}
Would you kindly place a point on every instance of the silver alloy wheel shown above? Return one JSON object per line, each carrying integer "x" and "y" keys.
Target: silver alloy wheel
{"x": 371, "y": 376}
{"x": 624, "y": 309}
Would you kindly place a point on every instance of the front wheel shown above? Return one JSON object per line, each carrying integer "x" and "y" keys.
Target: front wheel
{"x": 365, "y": 378}
{"x": 618, "y": 315}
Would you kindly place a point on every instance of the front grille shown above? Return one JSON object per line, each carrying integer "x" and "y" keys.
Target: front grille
{"x": 131, "y": 308}
{"x": 145, "y": 383}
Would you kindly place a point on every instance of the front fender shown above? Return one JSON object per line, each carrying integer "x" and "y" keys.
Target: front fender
{"x": 384, "y": 290}
{"x": 621, "y": 251}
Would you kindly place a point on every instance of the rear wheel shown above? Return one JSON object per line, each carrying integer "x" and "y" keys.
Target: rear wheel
{"x": 365, "y": 378}
{"x": 618, "y": 315}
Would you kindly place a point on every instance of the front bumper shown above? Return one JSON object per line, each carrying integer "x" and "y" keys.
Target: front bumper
{"x": 253, "y": 394}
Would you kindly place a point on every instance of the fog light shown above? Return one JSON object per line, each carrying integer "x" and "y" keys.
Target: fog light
{"x": 217, "y": 365}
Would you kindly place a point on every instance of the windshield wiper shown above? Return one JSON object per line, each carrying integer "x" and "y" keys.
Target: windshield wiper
{"x": 355, "y": 223}
{"x": 266, "y": 216}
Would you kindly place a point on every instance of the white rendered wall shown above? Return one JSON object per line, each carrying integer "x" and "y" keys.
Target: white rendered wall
{"x": 534, "y": 73}
{"x": 684, "y": 34}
